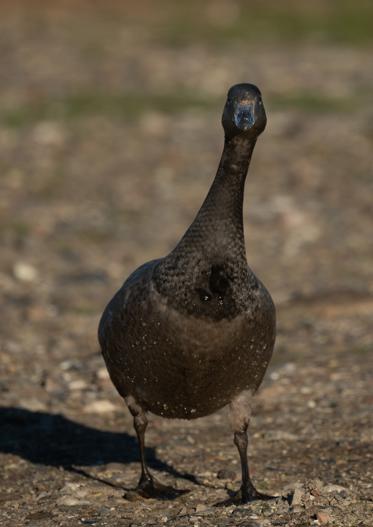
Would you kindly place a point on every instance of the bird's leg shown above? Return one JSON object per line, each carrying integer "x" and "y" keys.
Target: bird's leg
{"x": 240, "y": 415}
{"x": 140, "y": 422}
{"x": 147, "y": 483}
{"x": 247, "y": 492}
{"x": 148, "y": 486}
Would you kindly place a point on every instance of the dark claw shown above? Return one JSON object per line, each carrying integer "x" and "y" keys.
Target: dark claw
{"x": 254, "y": 495}
{"x": 151, "y": 488}
{"x": 245, "y": 496}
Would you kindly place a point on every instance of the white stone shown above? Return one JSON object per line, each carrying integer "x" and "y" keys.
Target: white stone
{"x": 100, "y": 407}
{"x": 25, "y": 272}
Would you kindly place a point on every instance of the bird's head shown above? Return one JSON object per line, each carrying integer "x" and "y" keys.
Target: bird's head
{"x": 244, "y": 112}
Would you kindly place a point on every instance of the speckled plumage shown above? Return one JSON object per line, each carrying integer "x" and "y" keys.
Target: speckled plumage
{"x": 188, "y": 333}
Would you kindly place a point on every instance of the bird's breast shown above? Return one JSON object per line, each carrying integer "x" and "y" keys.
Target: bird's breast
{"x": 182, "y": 366}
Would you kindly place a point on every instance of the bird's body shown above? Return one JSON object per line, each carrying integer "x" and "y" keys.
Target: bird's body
{"x": 179, "y": 365}
{"x": 193, "y": 331}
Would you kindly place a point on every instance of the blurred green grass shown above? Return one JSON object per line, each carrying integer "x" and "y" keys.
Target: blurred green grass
{"x": 212, "y": 23}
{"x": 332, "y": 21}
{"x": 127, "y": 106}
{"x": 131, "y": 106}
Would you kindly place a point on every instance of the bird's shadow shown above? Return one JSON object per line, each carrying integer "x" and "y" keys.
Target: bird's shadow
{"x": 54, "y": 440}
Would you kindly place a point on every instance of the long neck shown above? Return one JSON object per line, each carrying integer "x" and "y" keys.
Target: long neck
{"x": 218, "y": 226}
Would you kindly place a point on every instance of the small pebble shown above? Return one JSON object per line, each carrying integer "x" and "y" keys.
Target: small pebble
{"x": 323, "y": 517}
{"x": 25, "y": 272}
{"x": 102, "y": 374}
{"x": 48, "y": 133}
{"x": 78, "y": 384}
{"x": 201, "y": 508}
{"x": 99, "y": 407}
{"x": 328, "y": 489}
{"x": 297, "y": 496}
{"x": 69, "y": 501}
{"x": 226, "y": 474}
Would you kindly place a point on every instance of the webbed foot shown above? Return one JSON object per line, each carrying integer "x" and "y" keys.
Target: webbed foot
{"x": 245, "y": 495}
{"x": 151, "y": 488}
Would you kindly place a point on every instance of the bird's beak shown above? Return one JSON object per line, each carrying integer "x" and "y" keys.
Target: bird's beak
{"x": 244, "y": 117}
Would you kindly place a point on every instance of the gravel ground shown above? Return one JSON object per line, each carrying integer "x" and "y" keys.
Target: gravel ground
{"x": 87, "y": 194}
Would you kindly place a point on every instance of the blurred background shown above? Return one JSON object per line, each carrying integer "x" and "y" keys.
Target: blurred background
{"x": 110, "y": 136}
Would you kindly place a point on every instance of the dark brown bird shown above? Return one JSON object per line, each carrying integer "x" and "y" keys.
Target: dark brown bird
{"x": 194, "y": 331}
